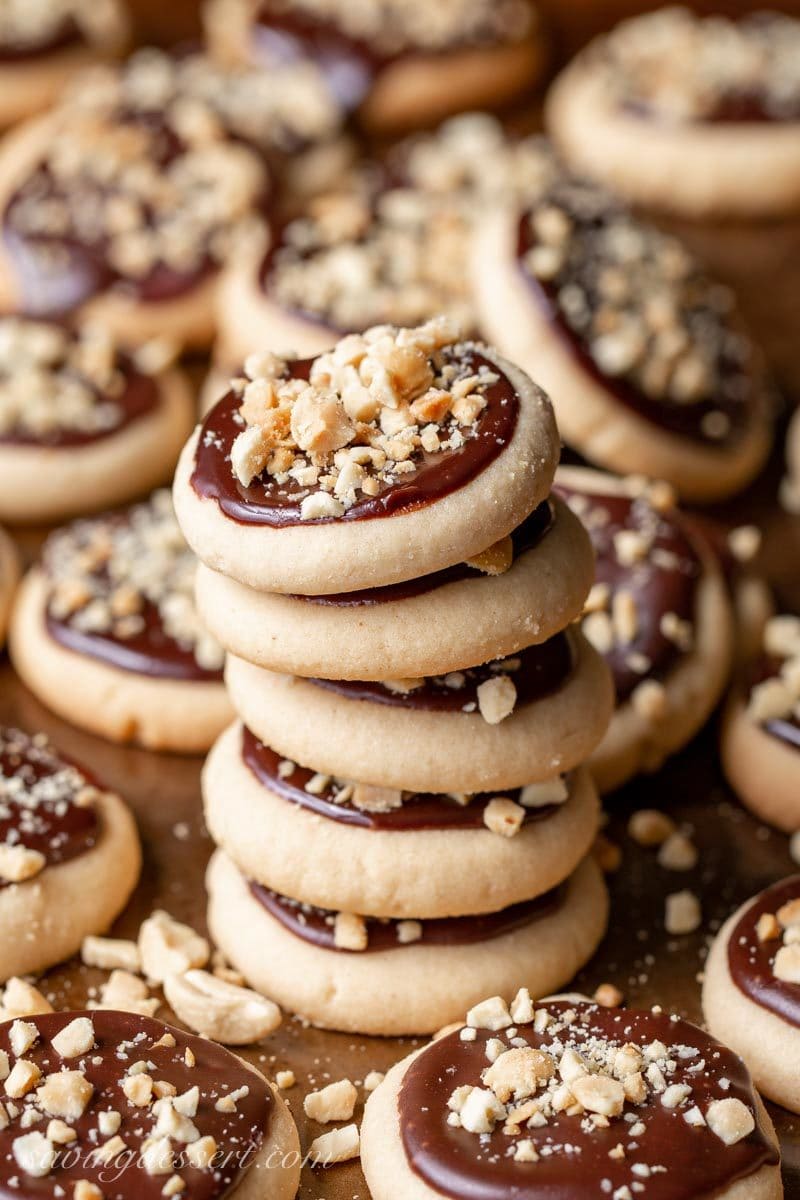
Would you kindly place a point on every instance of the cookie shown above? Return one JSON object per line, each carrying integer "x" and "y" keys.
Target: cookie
{"x": 760, "y": 745}
{"x": 355, "y": 258}
{"x": 9, "y": 577}
{"x": 569, "y": 1099}
{"x": 697, "y": 116}
{"x": 525, "y": 590}
{"x": 83, "y": 426}
{"x": 69, "y": 857}
{"x": 105, "y": 633}
{"x": 790, "y": 485}
{"x": 299, "y": 832}
{"x": 139, "y": 1106}
{"x": 391, "y": 62}
{"x": 502, "y": 725}
{"x": 43, "y": 46}
{"x": 660, "y": 615}
{"x": 411, "y": 977}
{"x": 751, "y": 989}
{"x": 651, "y": 369}
{"x": 146, "y": 261}
{"x": 409, "y": 451}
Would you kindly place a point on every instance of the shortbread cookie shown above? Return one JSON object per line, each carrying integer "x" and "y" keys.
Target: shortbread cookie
{"x": 9, "y": 577}
{"x": 69, "y": 855}
{"x": 660, "y": 615}
{"x": 524, "y": 590}
{"x": 645, "y": 355}
{"x": 352, "y": 260}
{"x": 790, "y": 485}
{"x": 112, "y": 1103}
{"x": 82, "y": 425}
{"x": 43, "y": 45}
{"x": 140, "y": 249}
{"x": 697, "y": 116}
{"x": 751, "y": 989}
{"x": 399, "y": 64}
{"x": 105, "y": 632}
{"x": 407, "y": 452}
{"x": 502, "y": 725}
{"x": 299, "y": 832}
{"x": 761, "y": 730}
{"x": 569, "y": 1100}
{"x": 362, "y": 975}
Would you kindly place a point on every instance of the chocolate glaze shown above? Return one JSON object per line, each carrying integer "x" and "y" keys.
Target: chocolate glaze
{"x": 418, "y": 811}
{"x": 315, "y": 925}
{"x": 542, "y": 670}
{"x": 57, "y": 827}
{"x": 656, "y": 589}
{"x": 216, "y": 1072}
{"x": 685, "y": 420}
{"x": 278, "y": 505}
{"x": 787, "y": 729}
{"x": 525, "y": 537}
{"x": 138, "y": 398}
{"x": 750, "y": 960}
{"x": 464, "y": 1166}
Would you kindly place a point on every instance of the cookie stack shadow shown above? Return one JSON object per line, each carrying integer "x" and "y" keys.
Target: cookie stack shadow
{"x": 402, "y": 816}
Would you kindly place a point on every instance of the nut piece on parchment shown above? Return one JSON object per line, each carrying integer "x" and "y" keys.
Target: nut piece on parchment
{"x": 232, "y": 1015}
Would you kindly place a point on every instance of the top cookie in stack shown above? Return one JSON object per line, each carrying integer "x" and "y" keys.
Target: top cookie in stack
{"x": 393, "y": 581}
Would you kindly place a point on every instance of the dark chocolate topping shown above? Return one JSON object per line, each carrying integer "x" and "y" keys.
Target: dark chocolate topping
{"x": 160, "y": 635}
{"x": 675, "y": 1161}
{"x": 524, "y": 538}
{"x": 45, "y": 800}
{"x": 663, "y": 583}
{"x": 266, "y": 502}
{"x": 537, "y": 671}
{"x": 640, "y": 317}
{"x": 122, "y": 1039}
{"x": 751, "y": 961}
{"x": 316, "y": 925}
{"x": 417, "y": 811}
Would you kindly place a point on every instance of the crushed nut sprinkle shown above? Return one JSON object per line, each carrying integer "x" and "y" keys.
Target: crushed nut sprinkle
{"x": 33, "y": 25}
{"x": 771, "y": 944}
{"x": 54, "y": 382}
{"x": 685, "y": 68}
{"x": 370, "y": 413}
{"x": 356, "y": 262}
{"x": 87, "y": 1095}
{"x": 639, "y": 305}
{"x": 163, "y": 169}
{"x": 47, "y": 807}
{"x": 391, "y": 27}
{"x": 775, "y": 698}
{"x": 562, "y": 1082}
{"x": 130, "y": 576}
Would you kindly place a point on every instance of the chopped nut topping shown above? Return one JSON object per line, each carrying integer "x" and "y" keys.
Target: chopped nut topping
{"x": 683, "y": 913}
{"x": 110, "y": 954}
{"x": 504, "y": 817}
{"x": 32, "y": 27}
{"x": 777, "y": 696}
{"x": 730, "y": 1120}
{"x": 350, "y": 932}
{"x": 75, "y": 1039}
{"x": 650, "y": 827}
{"x": 230, "y": 1014}
{"x": 497, "y": 698}
{"x": 339, "y": 1145}
{"x": 167, "y": 947}
{"x": 336, "y": 1102}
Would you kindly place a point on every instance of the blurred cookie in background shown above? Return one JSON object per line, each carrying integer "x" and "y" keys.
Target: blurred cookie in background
{"x": 693, "y": 115}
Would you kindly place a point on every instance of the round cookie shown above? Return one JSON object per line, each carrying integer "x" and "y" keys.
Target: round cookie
{"x": 82, "y": 425}
{"x": 214, "y": 1128}
{"x": 659, "y": 613}
{"x": 648, "y": 362}
{"x": 412, "y": 977}
{"x": 698, "y": 116}
{"x": 105, "y": 632}
{"x": 147, "y": 263}
{"x": 751, "y": 989}
{"x": 352, "y": 259}
{"x": 790, "y": 485}
{"x": 431, "y": 856}
{"x": 524, "y": 590}
{"x": 503, "y": 725}
{"x": 390, "y": 61}
{"x": 484, "y": 1112}
{"x": 9, "y": 577}
{"x": 409, "y": 451}
{"x": 69, "y": 855}
{"x": 760, "y": 745}
{"x": 43, "y": 46}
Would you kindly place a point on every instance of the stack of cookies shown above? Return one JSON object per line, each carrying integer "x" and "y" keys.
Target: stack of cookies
{"x": 402, "y": 816}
